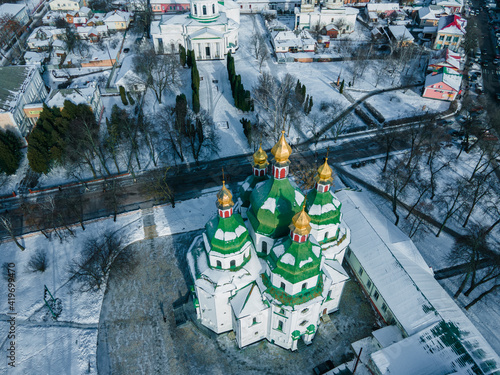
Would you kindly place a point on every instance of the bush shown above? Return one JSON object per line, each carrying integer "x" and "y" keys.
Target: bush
{"x": 38, "y": 261}
{"x": 130, "y": 98}
{"x": 247, "y": 129}
{"x": 123, "y": 96}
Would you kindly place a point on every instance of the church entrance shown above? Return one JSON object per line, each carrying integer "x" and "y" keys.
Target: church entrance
{"x": 207, "y": 52}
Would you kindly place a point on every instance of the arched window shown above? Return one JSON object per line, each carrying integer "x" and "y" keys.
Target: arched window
{"x": 326, "y": 235}
{"x": 204, "y": 10}
{"x": 304, "y": 286}
{"x": 280, "y": 325}
{"x": 282, "y": 286}
{"x": 282, "y": 173}
{"x": 219, "y": 264}
{"x": 213, "y": 8}
{"x": 232, "y": 263}
{"x": 254, "y": 321}
{"x": 264, "y": 247}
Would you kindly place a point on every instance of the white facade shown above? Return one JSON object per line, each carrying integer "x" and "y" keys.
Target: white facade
{"x": 65, "y": 5}
{"x": 343, "y": 18}
{"x": 210, "y": 29}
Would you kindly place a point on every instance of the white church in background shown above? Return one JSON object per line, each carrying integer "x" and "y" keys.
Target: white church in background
{"x": 273, "y": 269}
{"x": 210, "y": 29}
{"x": 330, "y": 13}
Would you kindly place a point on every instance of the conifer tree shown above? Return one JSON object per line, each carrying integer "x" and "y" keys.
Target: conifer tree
{"x": 341, "y": 90}
{"x": 190, "y": 58}
{"x": 310, "y": 105}
{"x": 10, "y": 152}
{"x": 298, "y": 90}
{"x": 182, "y": 55}
{"x": 303, "y": 93}
{"x": 306, "y": 104}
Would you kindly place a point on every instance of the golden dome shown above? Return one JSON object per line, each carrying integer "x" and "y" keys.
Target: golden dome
{"x": 260, "y": 157}
{"x": 224, "y": 197}
{"x": 324, "y": 172}
{"x": 300, "y": 223}
{"x": 281, "y": 150}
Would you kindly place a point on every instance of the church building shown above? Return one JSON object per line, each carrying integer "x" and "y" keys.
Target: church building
{"x": 269, "y": 266}
{"x": 210, "y": 30}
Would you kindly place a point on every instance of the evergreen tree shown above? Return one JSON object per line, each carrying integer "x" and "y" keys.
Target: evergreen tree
{"x": 180, "y": 112}
{"x": 303, "y": 93}
{"x": 190, "y": 58}
{"x": 310, "y": 105}
{"x": 10, "y": 152}
{"x": 196, "y": 101}
{"x": 306, "y": 104}
{"x": 182, "y": 55}
{"x": 341, "y": 90}
{"x": 298, "y": 90}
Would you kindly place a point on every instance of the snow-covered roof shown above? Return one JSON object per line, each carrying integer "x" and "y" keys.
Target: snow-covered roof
{"x": 80, "y": 95}
{"x": 381, "y": 7}
{"x": 444, "y": 75}
{"x": 446, "y": 57}
{"x": 170, "y": 2}
{"x": 450, "y": 3}
{"x": 290, "y": 39}
{"x": 117, "y": 16}
{"x": 430, "y": 12}
{"x": 401, "y": 33}
{"x": 96, "y": 30}
{"x": 248, "y": 301}
{"x": 13, "y": 81}
{"x": 12, "y": 9}
{"x": 387, "y": 335}
{"x": 34, "y": 57}
{"x": 84, "y": 11}
{"x": 439, "y": 331}
{"x": 452, "y": 25}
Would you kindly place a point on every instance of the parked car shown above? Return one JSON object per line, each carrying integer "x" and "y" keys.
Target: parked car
{"x": 126, "y": 50}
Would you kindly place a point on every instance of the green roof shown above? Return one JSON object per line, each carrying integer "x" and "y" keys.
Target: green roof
{"x": 328, "y": 214}
{"x": 294, "y": 261}
{"x": 227, "y": 235}
{"x": 248, "y": 186}
{"x": 273, "y": 205}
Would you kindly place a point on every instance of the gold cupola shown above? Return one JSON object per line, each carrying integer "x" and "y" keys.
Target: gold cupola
{"x": 300, "y": 223}
{"x": 260, "y": 158}
{"x": 281, "y": 150}
{"x": 224, "y": 198}
{"x": 324, "y": 173}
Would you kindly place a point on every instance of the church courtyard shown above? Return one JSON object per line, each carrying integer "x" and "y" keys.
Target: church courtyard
{"x": 134, "y": 337}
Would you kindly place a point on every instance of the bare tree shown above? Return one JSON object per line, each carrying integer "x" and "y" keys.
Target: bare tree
{"x": 200, "y": 134}
{"x": 38, "y": 261}
{"x": 386, "y": 138}
{"x": 477, "y": 189}
{"x": 98, "y": 255}
{"x": 263, "y": 54}
{"x": 450, "y": 201}
{"x": 6, "y": 224}
{"x": 158, "y": 187}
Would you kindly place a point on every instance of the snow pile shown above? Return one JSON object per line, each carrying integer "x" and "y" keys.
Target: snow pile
{"x": 304, "y": 262}
{"x": 269, "y": 204}
{"x": 288, "y": 259}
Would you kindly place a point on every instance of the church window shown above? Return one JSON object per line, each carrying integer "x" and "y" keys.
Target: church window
{"x": 280, "y": 325}
{"x": 303, "y": 323}
{"x": 304, "y": 286}
{"x": 282, "y": 173}
{"x": 232, "y": 263}
{"x": 204, "y": 10}
{"x": 254, "y": 321}
{"x": 213, "y": 8}
{"x": 282, "y": 311}
{"x": 264, "y": 247}
{"x": 326, "y": 235}
{"x": 282, "y": 286}
{"x": 219, "y": 264}
{"x": 304, "y": 311}
{"x": 376, "y": 295}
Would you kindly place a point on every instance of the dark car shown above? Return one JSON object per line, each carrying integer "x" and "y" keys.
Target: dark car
{"x": 126, "y": 50}
{"x": 323, "y": 368}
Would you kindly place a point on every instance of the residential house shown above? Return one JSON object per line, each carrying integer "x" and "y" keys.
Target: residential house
{"x": 43, "y": 36}
{"x": 381, "y": 8}
{"x": 446, "y": 59}
{"x": 92, "y": 33}
{"x": 451, "y": 6}
{"x": 160, "y": 7}
{"x": 117, "y": 20}
{"x": 18, "y": 12}
{"x": 429, "y": 16}
{"x": 130, "y": 81}
{"x": 442, "y": 85}
{"x": 66, "y": 5}
{"x": 89, "y": 95}
{"x": 19, "y": 85}
{"x": 96, "y": 20}
{"x": 331, "y": 31}
{"x": 400, "y": 35}
{"x": 450, "y": 32}
{"x": 428, "y": 333}
{"x": 85, "y": 12}
{"x": 356, "y": 2}
{"x": 256, "y": 6}
{"x": 60, "y": 48}
{"x": 332, "y": 12}
{"x": 289, "y": 41}
{"x": 35, "y": 58}
{"x": 50, "y": 18}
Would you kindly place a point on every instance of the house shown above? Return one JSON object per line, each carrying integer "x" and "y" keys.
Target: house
{"x": 43, "y": 36}
{"x": 60, "y": 48}
{"x": 273, "y": 269}
{"x": 381, "y": 8}
{"x": 89, "y": 95}
{"x": 289, "y": 41}
{"x": 356, "y": 2}
{"x": 430, "y": 15}
{"x": 50, "y": 18}
{"x": 92, "y": 33}
{"x": 160, "y": 7}
{"x": 117, "y": 20}
{"x": 210, "y": 29}
{"x": 451, "y": 6}
{"x": 85, "y": 12}
{"x": 256, "y": 6}
{"x": 19, "y": 85}
{"x": 427, "y": 332}
{"x": 442, "y": 85}
{"x": 331, "y": 13}
{"x": 130, "y": 81}
{"x": 450, "y": 32}
{"x": 400, "y": 35}
{"x": 17, "y": 12}
{"x": 37, "y": 59}
{"x": 66, "y": 5}
{"x": 96, "y": 20}
{"x": 331, "y": 31}
{"x": 446, "y": 59}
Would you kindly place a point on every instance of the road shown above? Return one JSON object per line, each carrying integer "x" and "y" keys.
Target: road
{"x": 189, "y": 181}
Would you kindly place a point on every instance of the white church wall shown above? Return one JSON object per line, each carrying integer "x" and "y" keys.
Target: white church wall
{"x": 253, "y": 331}
{"x": 331, "y": 303}
{"x": 290, "y": 288}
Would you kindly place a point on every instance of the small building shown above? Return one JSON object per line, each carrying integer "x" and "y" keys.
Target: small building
{"x": 50, "y": 18}
{"x": 450, "y": 32}
{"x": 43, "y": 36}
{"x": 451, "y": 6}
{"x": 331, "y": 31}
{"x": 92, "y": 33}
{"x": 331, "y": 13}
{"x": 36, "y": 58}
{"x": 442, "y": 85}
{"x": 96, "y": 20}
{"x": 160, "y": 7}
{"x": 130, "y": 82}
{"x": 89, "y": 95}
{"x": 59, "y": 48}
{"x": 289, "y": 41}
{"x": 66, "y": 5}
{"x": 430, "y": 15}
{"x": 117, "y": 20}
{"x": 381, "y": 8}
{"x": 400, "y": 35}
{"x": 446, "y": 59}
{"x": 19, "y": 85}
